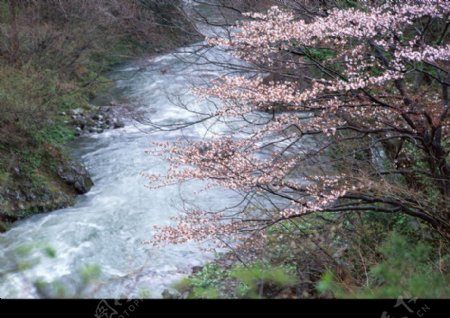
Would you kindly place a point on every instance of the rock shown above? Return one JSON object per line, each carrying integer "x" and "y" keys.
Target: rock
{"x": 80, "y": 186}
{"x": 60, "y": 181}
{"x": 90, "y": 122}
{"x": 78, "y": 131}
{"x": 31, "y": 196}
{"x": 117, "y": 123}
{"x": 97, "y": 117}
{"x": 75, "y": 175}
{"x": 77, "y": 111}
{"x": 79, "y": 121}
{"x": 167, "y": 294}
{"x": 18, "y": 196}
{"x": 196, "y": 269}
{"x": 3, "y": 227}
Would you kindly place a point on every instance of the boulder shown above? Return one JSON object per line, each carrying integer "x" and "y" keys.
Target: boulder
{"x": 117, "y": 123}
{"x": 167, "y": 294}
{"x": 75, "y": 174}
{"x": 77, "y": 111}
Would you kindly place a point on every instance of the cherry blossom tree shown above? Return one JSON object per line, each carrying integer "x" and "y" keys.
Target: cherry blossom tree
{"x": 345, "y": 110}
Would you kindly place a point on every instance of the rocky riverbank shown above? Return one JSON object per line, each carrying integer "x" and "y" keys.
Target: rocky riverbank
{"x": 60, "y": 178}
{"x": 55, "y": 185}
{"x": 96, "y": 119}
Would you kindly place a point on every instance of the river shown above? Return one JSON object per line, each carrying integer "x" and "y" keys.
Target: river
{"x": 107, "y": 227}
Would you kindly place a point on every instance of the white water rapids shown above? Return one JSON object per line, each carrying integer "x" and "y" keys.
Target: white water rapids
{"x": 107, "y": 226}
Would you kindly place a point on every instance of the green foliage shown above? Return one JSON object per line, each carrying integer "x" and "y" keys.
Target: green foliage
{"x": 24, "y": 250}
{"x": 321, "y": 55}
{"x": 427, "y": 187}
{"x": 248, "y": 281}
{"x": 4, "y": 177}
{"x": 32, "y": 159}
{"x": 409, "y": 269}
{"x": 4, "y": 11}
{"x": 74, "y": 99}
{"x": 204, "y": 283}
{"x": 349, "y": 4}
{"x": 144, "y": 293}
{"x": 27, "y": 256}
{"x": 253, "y": 278}
{"x": 56, "y": 289}
{"x": 122, "y": 50}
{"x": 49, "y": 251}
{"x": 27, "y": 94}
{"x": 56, "y": 134}
{"x": 90, "y": 273}
{"x": 24, "y": 265}
{"x": 325, "y": 283}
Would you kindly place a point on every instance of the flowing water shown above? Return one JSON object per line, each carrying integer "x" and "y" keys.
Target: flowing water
{"x": 107, "y": 226}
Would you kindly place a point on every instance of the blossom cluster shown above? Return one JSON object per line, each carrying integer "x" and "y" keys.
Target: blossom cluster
{"x": 369, "y": 53}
